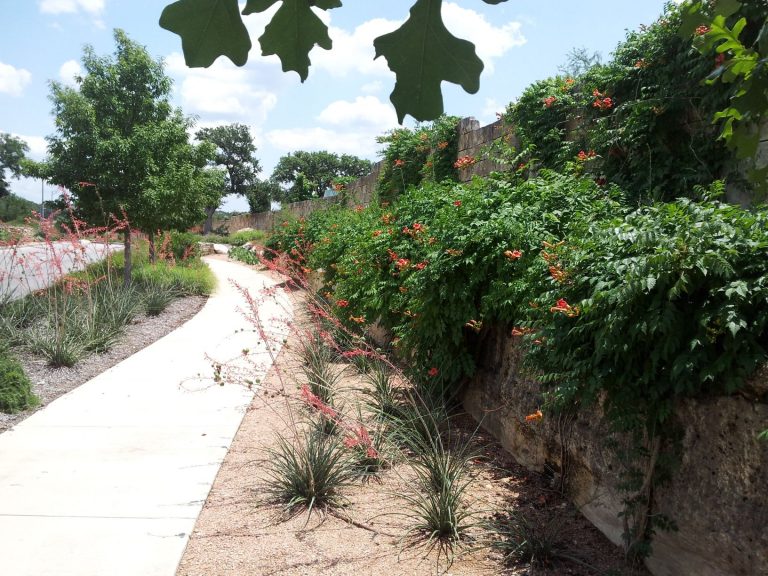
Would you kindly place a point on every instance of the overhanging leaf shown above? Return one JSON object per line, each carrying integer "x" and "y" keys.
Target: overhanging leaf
{"x": 422, "y": 53}
{"x": 727, "y": 8}
{"x": 293, "y": 32}
{"x": 208, "y": 29}
{"x": 494, "y": 1}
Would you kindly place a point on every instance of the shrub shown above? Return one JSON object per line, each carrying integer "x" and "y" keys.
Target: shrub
{"x": 15, "y": 389}
{"x": 184, "y": 245}
{"x": 244, "y": 255}
{"x": 646, "y": 116}
{"x": 242, "y": 236}
{"x": 433, "y": 267}
{"x": 310, "y": 471}
{"x": 669, "y": 302}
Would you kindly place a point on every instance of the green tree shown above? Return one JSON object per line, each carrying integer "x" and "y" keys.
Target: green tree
{"x": 422, "y": 52}
{"x": 235, "y": 151}
{"x": 116, "y": 134}
{"x": 187, "y": 183}
{"x": 307, "y": 175}
{"x": 261, "y": 194}
{"x": 12, "y": 152}
{"x": 14, "y": 208}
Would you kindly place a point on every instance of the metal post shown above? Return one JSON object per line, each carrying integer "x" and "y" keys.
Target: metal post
{"x": 42, "y": 197}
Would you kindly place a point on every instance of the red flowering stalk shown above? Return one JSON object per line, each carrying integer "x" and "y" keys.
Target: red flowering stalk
{"x": 315, "y": 402}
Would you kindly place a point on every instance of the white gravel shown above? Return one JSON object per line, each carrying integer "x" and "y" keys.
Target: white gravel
{"x": 50, "y": 383}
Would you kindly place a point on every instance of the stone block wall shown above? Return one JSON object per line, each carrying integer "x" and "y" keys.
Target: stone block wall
{"x": 718, "y": 496}
{"x": 474, "y": 139}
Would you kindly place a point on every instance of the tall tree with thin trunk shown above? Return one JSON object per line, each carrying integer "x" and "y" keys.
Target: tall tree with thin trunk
{"x": 112, "y": 135}
{"x": 236, "y": 152}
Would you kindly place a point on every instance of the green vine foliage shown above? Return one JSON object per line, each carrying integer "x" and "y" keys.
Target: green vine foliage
{"x": 422, "y": 52}
{"x": 643, "y": 118}
{"x": 735, "y": 34}
{"x": 670, "y": 302}
{"x": 672, "y": 298}
{"x": 424, "y": 154}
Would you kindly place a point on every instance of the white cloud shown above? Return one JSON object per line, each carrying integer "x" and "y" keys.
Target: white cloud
{"x": 364, "y": 111}
{"x": 490, "y": 41}
{"x": 69, "y": 71}
{"x": 490, "y": 111}
{"x": 38, "y": 147}
{"x": 352, "y": 128}
{"x": 13, "y": 80}
{"x": 353, "y": 51}
{"x": 311, "y": 139}
{"x": 223, "y": 91}
{"x": 71, "y": 6}
{"x": 372, "y": 87}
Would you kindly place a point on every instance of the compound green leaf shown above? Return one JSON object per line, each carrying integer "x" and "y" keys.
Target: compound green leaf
{"x": 293, "y": 32}
{"x": 208, "y": 29}
{"x": 422, "y": 53}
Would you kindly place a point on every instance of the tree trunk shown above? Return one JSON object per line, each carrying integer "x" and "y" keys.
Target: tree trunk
{"x": 127, "y": 255}
{"x": 208, "y": 225}
{"x": 152, "y": 253}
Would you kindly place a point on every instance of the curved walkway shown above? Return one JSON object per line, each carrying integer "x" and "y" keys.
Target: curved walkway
{"x": 109, "y": 479}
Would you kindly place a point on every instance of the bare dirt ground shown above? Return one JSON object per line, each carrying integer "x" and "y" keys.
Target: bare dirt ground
{"x": 240, "y": 532}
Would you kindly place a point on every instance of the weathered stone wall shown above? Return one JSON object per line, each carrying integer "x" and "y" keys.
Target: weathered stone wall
{"x": 735, "y": 192}
{"x": 719, "y": 494}
{"x": 472, "y": 139}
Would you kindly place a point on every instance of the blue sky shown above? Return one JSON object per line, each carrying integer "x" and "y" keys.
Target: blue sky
{"x": 343, "y": 105}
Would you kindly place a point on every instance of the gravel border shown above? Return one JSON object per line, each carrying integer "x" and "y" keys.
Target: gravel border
{"x": 50, "y": 383}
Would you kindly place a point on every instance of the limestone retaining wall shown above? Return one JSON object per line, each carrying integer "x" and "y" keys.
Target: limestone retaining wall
{"x": 718, "y": 497}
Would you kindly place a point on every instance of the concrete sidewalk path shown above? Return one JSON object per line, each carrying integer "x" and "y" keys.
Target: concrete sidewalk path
{"x": 109, "y": 479}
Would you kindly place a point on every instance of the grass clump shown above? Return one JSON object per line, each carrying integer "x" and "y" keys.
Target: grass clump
{"x": 15, "y": 389}
{"x": 310, "y": 471}
{"x": 194, "y": 278}
{"x": 157, "y": 297}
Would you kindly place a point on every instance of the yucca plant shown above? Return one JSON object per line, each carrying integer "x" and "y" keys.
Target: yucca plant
{"x": 382, "y": 397}
{"x": 317, "y": 366}
{"x": 414, "y": 422}
{"x": 309, "y": 471}
{"x": 438, "y": 507}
